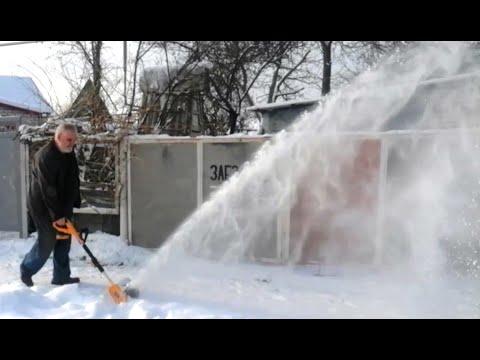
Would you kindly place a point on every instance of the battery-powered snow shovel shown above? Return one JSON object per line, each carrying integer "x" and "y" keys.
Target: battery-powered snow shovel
{"x": 117, "y": 294}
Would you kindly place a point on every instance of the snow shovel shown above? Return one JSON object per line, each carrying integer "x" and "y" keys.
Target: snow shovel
{"x": 117, "y": 294}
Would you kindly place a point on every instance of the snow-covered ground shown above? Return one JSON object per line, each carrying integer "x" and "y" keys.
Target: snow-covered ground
{"x": 195, "y": 288}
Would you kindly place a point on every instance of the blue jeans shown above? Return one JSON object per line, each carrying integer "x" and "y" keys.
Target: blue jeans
{"x": 42, "y": 248}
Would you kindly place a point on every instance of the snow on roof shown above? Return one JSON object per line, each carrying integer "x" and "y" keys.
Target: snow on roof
{"x": 21, "y": 92}
{"x": 274, "y": 106}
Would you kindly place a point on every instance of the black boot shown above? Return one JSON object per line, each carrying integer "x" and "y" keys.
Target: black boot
{"x": 70, "y": 280}
{"x": 27, "y": 280}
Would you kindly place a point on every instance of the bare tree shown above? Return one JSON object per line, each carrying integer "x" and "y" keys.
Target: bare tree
{"x": 142, "y": 50}
{"x": 354, "y": 57}
{"x": 167, "y": 88}
{"x": 346, "y": 59}
{"x": 235, "y": 67}
{"x": 86, "y": 56}
{"x": 92, "y": 52}
{"x": 327, "y": 66}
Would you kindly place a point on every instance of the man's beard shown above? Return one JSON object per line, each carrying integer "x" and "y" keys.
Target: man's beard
{"x": 66, "y": 150}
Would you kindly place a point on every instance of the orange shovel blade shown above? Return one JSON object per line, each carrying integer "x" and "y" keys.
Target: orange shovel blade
{"x": 117, "y": 294}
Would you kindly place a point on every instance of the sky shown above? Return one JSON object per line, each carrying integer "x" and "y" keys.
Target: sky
{"x": 198, "y": 289}
{"x": 34, "y": 60}
{"x": 40, "y": 62}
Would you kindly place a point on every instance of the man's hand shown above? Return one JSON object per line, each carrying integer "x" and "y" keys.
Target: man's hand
{"x": 60, "y": 222}
{"x": 63, "y": 223}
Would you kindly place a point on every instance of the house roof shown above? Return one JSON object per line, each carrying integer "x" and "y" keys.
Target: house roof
{"x": 159, "y": 78}
{"x": 284, "y": 104}
{"x": 21, "y": 92}
{"x": 87, "y": 103}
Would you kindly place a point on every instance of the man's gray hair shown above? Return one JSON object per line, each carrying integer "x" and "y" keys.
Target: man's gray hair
{"x": 65, "y": 127}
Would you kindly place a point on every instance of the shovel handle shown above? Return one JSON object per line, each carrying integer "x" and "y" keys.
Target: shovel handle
{"x": 94, "y": 259}
{"x": 69, "y": 228}
{"x": 84, "y": 234}
{"x": 114, "y": 290}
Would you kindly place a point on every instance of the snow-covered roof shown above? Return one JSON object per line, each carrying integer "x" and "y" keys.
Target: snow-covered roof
{"x": 284, "y": 104}
{"x": 21, "y": 92}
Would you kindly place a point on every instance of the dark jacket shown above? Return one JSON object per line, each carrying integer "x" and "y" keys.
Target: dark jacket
{"x": 55, "y": 183}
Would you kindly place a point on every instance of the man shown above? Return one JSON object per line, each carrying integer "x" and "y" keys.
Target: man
{"x": 54, "y": 192}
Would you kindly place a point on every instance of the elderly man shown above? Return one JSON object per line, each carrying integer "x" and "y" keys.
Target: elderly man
{"x": 54, "y": 192}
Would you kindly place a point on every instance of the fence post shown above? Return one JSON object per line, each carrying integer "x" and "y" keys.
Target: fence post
{"x": 382, "y": 181}
{"x": 199, "y": 173}
{"x": 122, "y": 186}
{"x": 24, "y": 181}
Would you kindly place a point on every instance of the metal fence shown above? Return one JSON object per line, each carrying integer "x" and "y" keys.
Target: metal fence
{"x": 159, "y": 181}
{"x": 10, "y": 189}
{"x": 168, "y": 178}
